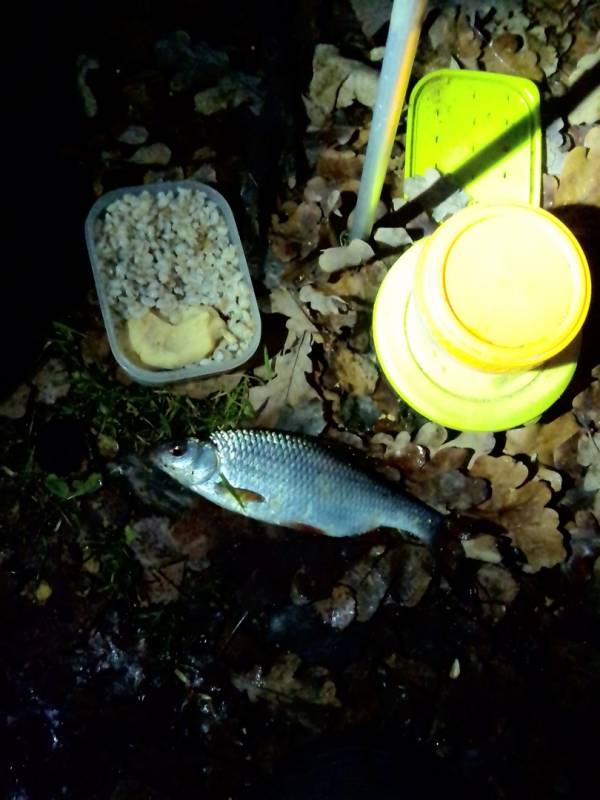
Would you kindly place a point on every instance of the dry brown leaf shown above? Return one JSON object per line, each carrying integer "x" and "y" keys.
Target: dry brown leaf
{"x": 288, "y": 387}
{"x": 579, "y": 181}
{"x": 353, "y": 372}
{"x": 383, "y": 445}
{"x": 372, "y": 14}
{"x": 339, "y": 610}
{"x": 52, "y": 382}
{"x": 335, "y": 312}
{"x": 497, "y": 589}
{"x": 362, "y": 283}
{"x": 432, "y": 436}
{"x": 325, "y": 193}
{"x": 341, "y": 167}
{"x": 479, "y": 442}
{"x": 588, "y": 111}
{"x": 283, "y": 684}
{"x": 452, "y": 35}
{"x": 321, "y": 302}
{"x": 95, "y": 348}
{"x": 586, "y": 404}
{"x": 553, "y": 478}
{"x": 549, "y": 189}
{"x": 15, "y": 406}
{"x": 336, "y": 258}
{"x": 336, "y": 83}
{"x": 521, "y": 509}
{"x": 482, "y": 547}
{"x": 588, "y": 455}
{"x": 393, "y": 237}
{"x": 157, "y": 153}
{"x": 369, "y": 580}
{"x": 298, "y": 322}
{"x": 412, "y": 574}
{"x": 592, "y": 140}
{"x": 505, "y": 54}
{"x": 542, "y": 442}
{"x": 442, "y": 484}
{"x": 297, "y": 236}
{"x": 585, "y": 538}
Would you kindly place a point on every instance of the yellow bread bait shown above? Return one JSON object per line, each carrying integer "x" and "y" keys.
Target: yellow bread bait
{"x": 161, "y": 344}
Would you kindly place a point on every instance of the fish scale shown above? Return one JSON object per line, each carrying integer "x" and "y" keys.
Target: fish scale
{"x": 295, "y": 481}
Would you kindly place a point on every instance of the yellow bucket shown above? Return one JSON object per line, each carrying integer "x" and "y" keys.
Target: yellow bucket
{"x": 477, "y": 325}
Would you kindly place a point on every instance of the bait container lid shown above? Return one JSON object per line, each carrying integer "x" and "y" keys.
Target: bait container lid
{"x": 477, "y": 326}
{"x": 503, "y": 287}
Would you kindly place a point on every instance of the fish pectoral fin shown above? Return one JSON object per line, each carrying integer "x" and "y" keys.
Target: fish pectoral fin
{"x": 242, "y": 496}
{"x": 303, "y": 528}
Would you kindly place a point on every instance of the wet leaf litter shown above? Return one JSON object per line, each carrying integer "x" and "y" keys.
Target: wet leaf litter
{"x": 190, "y": 648}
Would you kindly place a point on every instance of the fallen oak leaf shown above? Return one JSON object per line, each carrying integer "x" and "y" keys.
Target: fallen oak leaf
{"x": 432, "y": 436}
{"x": 335, "y": 258}
{"x": 336, "y": 83}
{"x": 588, "y": 455}
{"x": 442, "y": 483}
{"x": 15, "y": 406}
{"x": 393, "y": 237}
{"x": 579, "y": 181}
{"x": 362, "y": 283}
{"x": 283, "y": 685}
{"x": 482, "y": 547}
{"x": 325, "y": 303}
{"x": 553, "y": 478}
{"x": 496, "y": 589}
{"x": 52, "y": 381}
{"x": 298, "y": 321}
{"x": 479, "y": 442}
{"x": 585, "y": 539}
{"x": 157, "y": 153}
{"x": 342, "y": 167}
{"x": 289, "y": 386}
{"x": 542, "y": 442}
{"x": 326, "y": 194}
{"x": 520, "y": 507}
{"x": 339, "y": 610}
{"x": 510, "y": 54}
{"x": 549, "y": 189}
{"x": 298, "y": 235}
{"x": 586, "y": 405}
{"x": 588, "y": 110}
{"x": 353, "y": 372}
{"x": 452, "y": 35}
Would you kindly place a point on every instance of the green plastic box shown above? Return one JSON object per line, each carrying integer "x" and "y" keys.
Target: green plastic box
{"x": 483, "y": 128}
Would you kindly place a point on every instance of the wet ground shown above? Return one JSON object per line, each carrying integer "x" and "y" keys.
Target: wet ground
{"x": 154, "y": 646}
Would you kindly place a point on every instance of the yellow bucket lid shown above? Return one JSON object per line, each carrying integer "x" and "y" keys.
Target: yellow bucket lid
{"x": 444, "y": 388}
{"x": 503, "y": 287}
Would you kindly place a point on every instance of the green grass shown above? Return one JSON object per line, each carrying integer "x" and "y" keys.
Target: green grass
{"x": 135, "y": 416}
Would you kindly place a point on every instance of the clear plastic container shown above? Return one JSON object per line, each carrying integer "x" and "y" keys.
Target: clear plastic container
{"x": 127, "y": 360}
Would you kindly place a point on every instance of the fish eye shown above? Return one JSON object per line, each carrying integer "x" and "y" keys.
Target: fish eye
{"x": 178, "y": 450}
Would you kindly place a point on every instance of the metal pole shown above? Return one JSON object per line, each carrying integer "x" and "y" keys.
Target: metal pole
{"x": 401, "y": 46}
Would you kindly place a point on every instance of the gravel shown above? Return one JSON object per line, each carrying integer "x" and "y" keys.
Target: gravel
{"x": 171, "y": 250}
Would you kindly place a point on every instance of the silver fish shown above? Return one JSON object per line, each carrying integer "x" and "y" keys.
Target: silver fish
{"x": 294, "y": 481}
